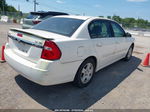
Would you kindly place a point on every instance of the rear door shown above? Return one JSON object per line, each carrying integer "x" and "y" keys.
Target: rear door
{"x": 101, "y": 34}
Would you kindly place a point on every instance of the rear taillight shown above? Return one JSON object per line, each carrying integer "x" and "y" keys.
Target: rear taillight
{"x": 19, "y": 35}
{"x": 36, "y": 22}
{"x": 50, "y": 51}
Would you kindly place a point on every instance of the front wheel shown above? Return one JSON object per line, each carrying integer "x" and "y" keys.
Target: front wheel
{"x": 85, "y": 73}
{"x": 129, "y": 54}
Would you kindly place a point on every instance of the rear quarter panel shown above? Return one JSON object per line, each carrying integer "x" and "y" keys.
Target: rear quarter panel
{"x": 75, "y": 50}
{"x": 79, "y": 46}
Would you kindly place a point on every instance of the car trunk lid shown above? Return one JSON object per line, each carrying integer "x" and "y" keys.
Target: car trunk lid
{"x": 29, "y": 43}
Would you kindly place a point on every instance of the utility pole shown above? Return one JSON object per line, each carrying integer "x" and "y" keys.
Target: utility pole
{"x": 19, "y": 7}
{"x": 35, "y": 3}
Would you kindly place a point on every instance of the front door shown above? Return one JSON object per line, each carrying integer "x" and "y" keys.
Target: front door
{"x": 120, "y": 40}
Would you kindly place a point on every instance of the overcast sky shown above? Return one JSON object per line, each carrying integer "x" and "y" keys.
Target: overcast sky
{"x": 123, "y": 8}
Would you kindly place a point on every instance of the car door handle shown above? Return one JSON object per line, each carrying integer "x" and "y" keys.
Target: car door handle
{"x": 99, "y": 45}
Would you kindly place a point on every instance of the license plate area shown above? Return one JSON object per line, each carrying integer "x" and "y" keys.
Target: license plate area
{"x": 22, "y": 46}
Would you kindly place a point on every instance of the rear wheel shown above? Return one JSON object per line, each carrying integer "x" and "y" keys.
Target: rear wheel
{"x": 129, "y": 54}
{"x": 85, "y": 73}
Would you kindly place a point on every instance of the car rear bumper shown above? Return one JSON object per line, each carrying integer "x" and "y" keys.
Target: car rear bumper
{"x": 26, "y": 68}
{"x": 43, "y": 72}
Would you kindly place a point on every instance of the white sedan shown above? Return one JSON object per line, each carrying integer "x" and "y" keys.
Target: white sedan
{"x": 67, "y": 49}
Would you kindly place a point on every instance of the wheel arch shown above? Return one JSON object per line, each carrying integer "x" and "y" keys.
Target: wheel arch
{"x": 90, "y": 57}
{"x": 94, "y": 58}
{"x": 76, "y": 80}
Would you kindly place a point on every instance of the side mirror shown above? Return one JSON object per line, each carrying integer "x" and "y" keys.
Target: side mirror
{"x": 128, "y": 35}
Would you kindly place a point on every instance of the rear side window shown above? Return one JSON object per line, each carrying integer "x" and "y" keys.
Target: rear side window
{"x": 99, "y": 29}
{"x": 117, "y": 30}
{"x": 59, "y": 25}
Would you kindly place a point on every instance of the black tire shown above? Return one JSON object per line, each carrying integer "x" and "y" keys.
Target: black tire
{"x": 129, "y": 53}
{"x": 78, "y": 81}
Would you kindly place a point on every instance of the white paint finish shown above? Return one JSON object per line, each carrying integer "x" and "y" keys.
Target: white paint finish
{"x": 105, "y": 49}
{"x": 74, "y": 50}
{"x": 80, "y": 51}
{"x": 122, "y": 46}
{"x": 44, "y": 72}
{"x": 42, "y": 34}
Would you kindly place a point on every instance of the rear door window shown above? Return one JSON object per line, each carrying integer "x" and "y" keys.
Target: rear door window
{"x": 99, "y": 29}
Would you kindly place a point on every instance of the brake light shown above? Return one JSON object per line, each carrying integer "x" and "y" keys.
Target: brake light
{"x": 19, "y": 35}
{"x": 50, "y": 51}
{"x": 36, "y": 22}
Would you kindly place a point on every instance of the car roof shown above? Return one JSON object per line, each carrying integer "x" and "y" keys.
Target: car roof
{"x": 82, "y": 17}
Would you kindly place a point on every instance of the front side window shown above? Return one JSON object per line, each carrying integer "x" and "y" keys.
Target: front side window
{"x": 60, "y": 25}
{"x": 99, "y": 29}
{"x": 118, "y": 31}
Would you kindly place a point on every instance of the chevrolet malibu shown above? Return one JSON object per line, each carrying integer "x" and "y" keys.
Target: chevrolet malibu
{"x": 67, "y": 49}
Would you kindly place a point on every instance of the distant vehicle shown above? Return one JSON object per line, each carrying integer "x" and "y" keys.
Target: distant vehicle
{"x": 36, "y": 17}
{"x": 67, "y": 48}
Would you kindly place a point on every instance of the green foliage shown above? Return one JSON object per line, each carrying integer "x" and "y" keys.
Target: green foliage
{"x": 117, "y": 18}
{"x": 11, "y": 9}
{"x": 131, "y": 22}
{"x": 128, "y": 22}
{"x": 101, "y": 16}
{"x": 109, "y": 17}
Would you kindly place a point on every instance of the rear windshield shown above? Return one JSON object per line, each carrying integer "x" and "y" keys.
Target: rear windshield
{"x": 32, "y": 16}
{"x": 58, "y": 25}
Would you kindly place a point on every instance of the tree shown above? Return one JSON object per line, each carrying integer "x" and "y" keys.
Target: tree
{"x": 101, "y": 16}
{"x": 109, "y": 17}
{"x": 129, "y": 22}
{"x": 142, "y": 23}
{"x": 132, "y": 22}
{"x": 5, "y": 7}
{"x": 11, "y": 9}
{"x": 2, "y": 4}
{"x": 117, "y": 18}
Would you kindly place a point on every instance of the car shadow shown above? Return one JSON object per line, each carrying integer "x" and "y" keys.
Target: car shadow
{"x": 66, "y": 96}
